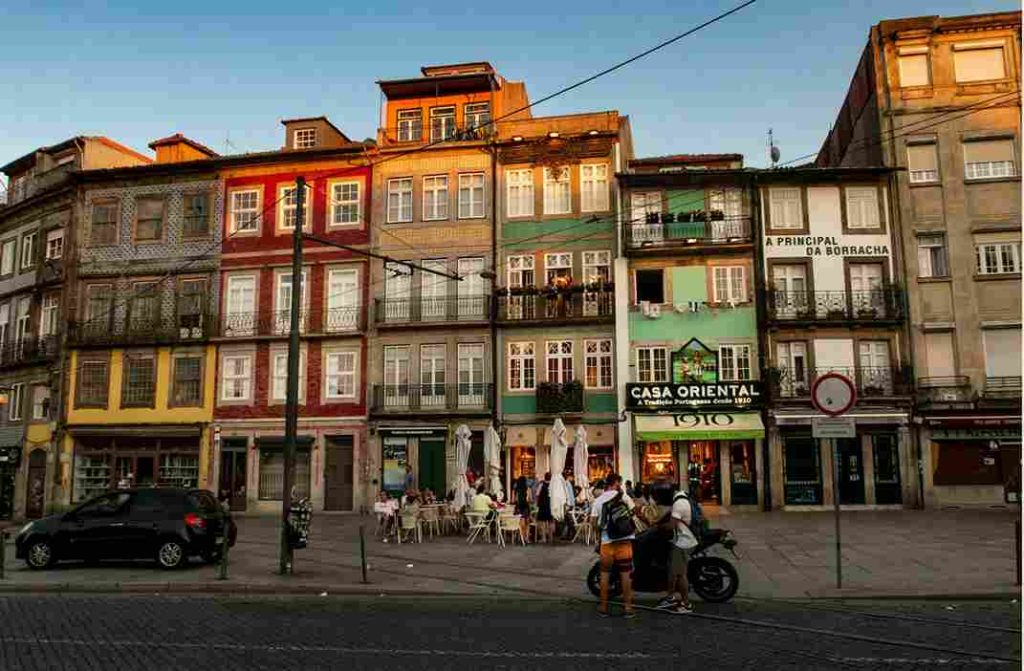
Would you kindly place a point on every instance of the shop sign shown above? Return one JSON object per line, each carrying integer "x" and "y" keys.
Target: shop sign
{"x": 414, "y": 431}
{"x": 976, "y": 433}
{"x": 834, "y": 427}
{"x": 826, "y": 245}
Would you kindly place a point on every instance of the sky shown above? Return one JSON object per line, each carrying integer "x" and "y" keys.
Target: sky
{"x": 224, "y": 73}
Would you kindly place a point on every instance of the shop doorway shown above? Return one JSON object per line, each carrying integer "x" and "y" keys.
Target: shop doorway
{"x": 888, "y": 488}
{"x": 233, "y": 472}
{"x": 742, "y": 475}
{"x": 851, "y": 470}
{"x": 659, "y": 462}
{"x": 801, "y": 471}
{"x": 704, "y": 472}
{"x": 35, "y": 492}
{"x": 339, "y": 478}
{"x": 432, "y": 466}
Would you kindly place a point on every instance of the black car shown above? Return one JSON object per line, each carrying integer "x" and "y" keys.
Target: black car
{"x": 169, "y": 525}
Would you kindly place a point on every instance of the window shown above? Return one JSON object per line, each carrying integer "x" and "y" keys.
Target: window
{"x": 913, "y": 62}
{"x": 978, "y": 62}
{"x": 279, "y": 376}
{"x": 396, "y": 375}
{"x": 399, "y": 200}
{"x": 55, "y": 244}
{"x": 92, "y": 383}
{"x": 519, "y": 185}
{"x": 5, "y": 318}
{"x": 793, "y": 368}
{"x": 40, "y": 402}
{"x": 190, "y": 309}
{"x": 434, "y": 290}
{"x": 304, "y": 138}
{"x": 149, "y": 219}
{"x": 650, "y": 286}
{"x": 642, "y": 205}
{"x": 49, "y": 315}
{"x": 144, "y": 306}
{"x": 288, "y": 207}
{"x": 345, "y": 204}
{"x": 862, "y": 208}
{"x": 7, "y": 254}
{"x": 727, "y": 201}
{"x": 28, "y": 251}
{"x": 432, "y": 374}
{"x": 471, "y": 196}
{"x": 240, "y": 312}
{"x": 557, "y": 265}
{"x": 734, "y": 362}
{"x": 196, "y": 222}
{"x": 99, "y": 305}
{"x": 593, "y": 187}
{"x": 597, "y": 267}
{"x": 730, "y": 284}
{"x": 283, "y": 302}
{"x": 442, "y": 123}
{"x": 652, "y": 364}
{"x": 187, "y": 376}
{"x": 786, "y": 208}
{"x": 470, "y": 291}
{"x": 559, "y": 361}
{"x": 236, "y": 377}
{"x": 471, "y": 374}
{"x": 139, "y": 385}
{"x": 521, "y": 271}
{"x": 21, "y": 324}
{"x": 103, "y": 224}
{"x": 14, "y": 401}
{"x": 342, "y": 300}
{"x": 477, "y": 118}
{"x": 875, "y": 373}
{"x": 435, "y": 197}
{"x": 923, "y": 163}
{"x": 931, "y": 256}
{"x": 1002, "y": 352}
{"x": 597, "y": 359}
{"x": 245, "y": 211}
{"x": 557, "y": 191}
{"x": 988, "y": 159}
{"x": 939, "y": 354}
{"x": 522, "y": 368}
{"x": 998, "y": 258}
{"x": 341, "y": 375}
{"x": 410, "y": 125}
{"x": 397, "y": 290}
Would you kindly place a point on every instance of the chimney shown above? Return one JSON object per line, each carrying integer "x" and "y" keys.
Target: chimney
{"x": 178, "y": 149}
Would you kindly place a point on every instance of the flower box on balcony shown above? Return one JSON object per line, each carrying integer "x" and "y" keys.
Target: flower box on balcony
{"x": 867, "y": 313}
{"x": 836, "y": 313}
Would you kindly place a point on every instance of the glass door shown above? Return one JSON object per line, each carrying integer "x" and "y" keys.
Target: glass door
{"x": 471, "y": 375}
{"x": 875, "y": 372}
{"x": 397, "y": 284}
{"x": 704, "y": 472}
{"x": 471, "y": 289}
{"x": 432, "y": 375}
{"x": 233, "y": 473}
{"x": 742, "y": 480}
{"x": 520, "y": 276}
{"x": 396, "y": 376}
{"x": 888, "y": 489}
{"x": 851, "y": 470}
{"x": 866, "y": 295}
{"x": 801, "y": 471}
{"x": 597, "y": 268}
{"x": 433, "y": 291}
{"x": 790, "y": 297}
{"x": 342, "y": 301}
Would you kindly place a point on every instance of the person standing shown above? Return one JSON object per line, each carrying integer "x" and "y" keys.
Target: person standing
{"x": 607, "y": 512}
{"x": 545, "y": 520}
{"x": 521, "y": 491}
{"x": 410, "y": 479}
{"x": 683, "y": 541}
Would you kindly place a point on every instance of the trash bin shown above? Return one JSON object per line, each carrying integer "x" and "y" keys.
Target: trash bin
{"x": 299, "y": 518}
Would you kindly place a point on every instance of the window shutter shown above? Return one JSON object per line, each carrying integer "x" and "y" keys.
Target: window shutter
{"x": 985, "y": 151}
{"x": 976, "y": 65}
{"x": 922, "y": 157}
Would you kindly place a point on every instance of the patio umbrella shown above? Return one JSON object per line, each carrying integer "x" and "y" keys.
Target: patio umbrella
{"x": 492, "y": 453}
{"x": 559, "y": 448}
{"x": 462, "y": 445}
{"x": 581, "y": 459}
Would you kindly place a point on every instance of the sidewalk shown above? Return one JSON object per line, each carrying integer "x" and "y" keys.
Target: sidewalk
{"x": 782, "y": 555}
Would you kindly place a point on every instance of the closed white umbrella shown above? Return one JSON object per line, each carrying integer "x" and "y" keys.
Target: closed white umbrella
{"x": 559, "y": 448}
{"x": 492, "y": 453}
{"x": 581, "y": 460}
{"x": 462, "y": 446}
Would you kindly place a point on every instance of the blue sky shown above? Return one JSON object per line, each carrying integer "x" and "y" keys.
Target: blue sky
{"x": 227, "y": 69}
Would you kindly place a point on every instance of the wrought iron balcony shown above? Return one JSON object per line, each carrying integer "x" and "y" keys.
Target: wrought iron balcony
{"x": 871, "y": 382}
{"x": 550, "y": 306}
{"x": 1002, "y": 388}
{"x": 471, "y": 397}
{"x": 428, "y": 310}
{"x": 669, "y": 230}
{"x": 836, "y": 306}
{"x": 29, "y": 351}
{"x": 554, "y": 398}
{"x": 255, "y": 324}
{"x": 943, "y": 390}
{"x": 158, "y": 330}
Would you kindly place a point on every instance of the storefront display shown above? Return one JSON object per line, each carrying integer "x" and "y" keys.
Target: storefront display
{"x": 600, "y": 462}
{"x": 888, "y": 487}
{"x": 108, "y": 462}
{"x": 659, "y": 461}
{"x": 524, "y": 462}
{"x": 394, "y": 457}
{"x": 742, "y": 471}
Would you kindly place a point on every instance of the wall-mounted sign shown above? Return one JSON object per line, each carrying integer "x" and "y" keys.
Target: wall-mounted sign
{"x": 825, "y": 245}
{"x": 976, "y": 433}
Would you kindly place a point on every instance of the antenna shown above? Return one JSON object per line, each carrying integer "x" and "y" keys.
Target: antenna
{"x": 773, "y": 152}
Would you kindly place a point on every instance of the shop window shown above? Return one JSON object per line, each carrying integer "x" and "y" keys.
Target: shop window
{"x": 394, "y": 458}
{"x": 742, "y": 480}
{"x": 524, "y": 462}
{"x": 92, "y": 477}
{"x": 802, "y": 471}
{"x": 600, "y": 462}
{"x": 967, "y": 463}
{"x": 659, "y": 462}
{"x": 271, "y": 482}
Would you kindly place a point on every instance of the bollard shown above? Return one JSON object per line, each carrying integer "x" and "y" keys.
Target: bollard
{"x": 222, "y": 566}
{"x": 3, "y": 552}
{"x": 362, "y": 551}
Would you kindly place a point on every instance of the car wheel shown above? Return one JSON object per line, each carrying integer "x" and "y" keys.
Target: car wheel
{"x": 40, "y": 555}
{"x": 170, "y": 555}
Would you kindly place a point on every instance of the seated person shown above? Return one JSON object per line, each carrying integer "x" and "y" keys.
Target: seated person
{"x": 412, "y": 505}
{"x": 482, "y": 503}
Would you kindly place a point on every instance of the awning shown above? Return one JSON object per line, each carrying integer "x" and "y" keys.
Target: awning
{"x": 700, "y": 426}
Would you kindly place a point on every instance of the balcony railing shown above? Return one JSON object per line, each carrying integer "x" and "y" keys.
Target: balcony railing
{"x": 671, "y": 230}
{"x": 554, "y": 398}
{"x": 162, "y": 329}
{"x": 278, "y": 323}
{"x": 945, "y": 389}
{"x": 1002, "y": 387}
{"x": 426, "y": 310}
{"x": 804, "y": 306}
{"x": 883, "y": 382}
{"x": 28, "y": 351}
{"x": 427, "y": 398}
{"x": 560, "y": 306}
{"x": 434, "y": 131}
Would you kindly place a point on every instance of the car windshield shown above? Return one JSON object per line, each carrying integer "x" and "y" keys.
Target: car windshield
{"x": 203, "y": 502}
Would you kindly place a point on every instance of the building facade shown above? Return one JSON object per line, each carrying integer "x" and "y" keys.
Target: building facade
{"x": 694, "y": 391}
{"x": 36, "y": 252}
{"x": 254, "y": 322}
{"x": 833, "y": 299}
{"x": 943, "y": 95}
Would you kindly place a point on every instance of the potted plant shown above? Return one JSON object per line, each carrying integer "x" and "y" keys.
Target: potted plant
{"x": 717, "y": 215}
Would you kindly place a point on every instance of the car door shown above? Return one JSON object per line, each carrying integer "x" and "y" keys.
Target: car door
{"x": 142, "y": 523}
{"x": 96, "y": 529}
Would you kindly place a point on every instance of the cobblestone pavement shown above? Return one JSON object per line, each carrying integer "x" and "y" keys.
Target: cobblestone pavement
{"x": 79, "y": 632}
{"x": 783, "y": 555}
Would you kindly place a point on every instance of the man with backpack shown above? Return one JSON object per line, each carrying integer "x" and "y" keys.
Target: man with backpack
{"x": 687, "y": 522}
{"x": 613, "y": 514}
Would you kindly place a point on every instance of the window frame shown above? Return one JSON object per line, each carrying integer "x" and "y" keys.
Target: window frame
{"x": 938, "y": 168}
{"x": 523, "y": 180}
{"x": 255, "y": 212}
{"x": 1014, "y": 158}
{"x": 979, "y": 46}
{"x": 470, "y": 190}
{"x": 636, "y": 286}
{"x": 600, "y": 359}
{"x": 441, "y": 206}
{"x": 522, "y": 358}
{"x": 49, "y": 311}
{"x": 115, "y": 206}
{"x": 246, "y": 377}
{"x": 551, "y": 197}
{"x": 771, "y": 223}
{"x": 729, "y": 270}
{"x": 416, "y": 125}
{"x": 305, "y": 143}
{"x": 28, "y": 245}
{"x": 15, "y": 401}
{"x": 90, "y": 402}
{"x": 283, "y": 208}
{"x": 560, "y": 356}
{"x": 336, "y": 206}
{"x": 736, "y": 348}
{"x": 51, "y": 237}
{"x": 273, "y": 376}
{"x": 138, "y": 219}
{"x": 45, "y": 416}
{"x": 12, "y": 267}
{"x": 981, "y": 268}
{"x": 601, "y": 196}
{"x": 651, "y": 355}
{"x": 128, "y": 360}
{"x": 391, "y": 192}
{"x": 354, "y": 373}
{"x": 187, "y": 215}
{"x": 914, "y": 52}
{"x": 172, "y": 396}
{"x": 944, "y": 255}
{"x": 442, "y": 136}
{"x": 879, "y": 209}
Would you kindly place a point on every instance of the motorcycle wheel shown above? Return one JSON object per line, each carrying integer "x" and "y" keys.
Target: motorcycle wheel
{"x": 594, "y": 582}
{"x": 713, "y": 579}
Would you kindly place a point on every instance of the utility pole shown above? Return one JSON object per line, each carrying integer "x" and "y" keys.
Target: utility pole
{"x": 291, "y": 408}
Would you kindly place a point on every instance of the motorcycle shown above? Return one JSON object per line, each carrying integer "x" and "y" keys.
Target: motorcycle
{"x": 713, "y": 578}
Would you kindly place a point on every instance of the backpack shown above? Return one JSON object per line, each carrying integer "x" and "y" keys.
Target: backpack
{"x": 617, "y": 519}
{"x": 698, "y": 523}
